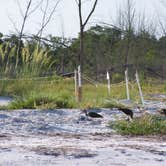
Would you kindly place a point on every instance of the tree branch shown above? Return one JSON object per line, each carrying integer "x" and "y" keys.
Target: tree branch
{"x": 45, "y": 20}
{"x": 93, "y": 8}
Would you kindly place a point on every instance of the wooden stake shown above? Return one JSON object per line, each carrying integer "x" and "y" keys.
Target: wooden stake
{"x": 127, "y": 84}
{"x": 75, "y": 81}
{"x": 109, "y": 84}
{"x": 139, "y": 87}
{"x": 79, "y": 84}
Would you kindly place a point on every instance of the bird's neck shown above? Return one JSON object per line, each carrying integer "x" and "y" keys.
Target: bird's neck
{"x": 86, "y": 112}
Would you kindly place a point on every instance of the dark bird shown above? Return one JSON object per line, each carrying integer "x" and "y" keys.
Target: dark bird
{"x": 92, "y": 114}
{"x": 163, "y": 111}
{"x": 127, "y": 111}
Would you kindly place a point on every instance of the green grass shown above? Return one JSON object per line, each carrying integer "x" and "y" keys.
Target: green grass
{"x": 145, "y": 125}
{"x": 55, "y": 92}
{"x": 35, "y": 101}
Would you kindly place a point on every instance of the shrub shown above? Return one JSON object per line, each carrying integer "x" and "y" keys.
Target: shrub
{"x": 145, "y": 125}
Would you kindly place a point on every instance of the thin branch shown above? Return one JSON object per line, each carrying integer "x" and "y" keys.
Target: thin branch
{"x": 163, "y": 28}
{"x": 76, "y": 2}
{"x": 14, "y": 24}
{"x": 25, "y": 17}
{"x": 20, "y": 9}
{"x": 44, "y": 17}
{"x": 80, "y": 13}
{"x": 45, "y": 39}
{"x": 93, "y": 8}
{"x": 35, "y": 8}
{"x": 45, "y": 20}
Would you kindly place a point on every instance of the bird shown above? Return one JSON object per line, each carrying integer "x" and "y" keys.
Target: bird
{"x": 163, "y": 111}
{"x": 92, "y": 114}
{"x": 127, "y": 111}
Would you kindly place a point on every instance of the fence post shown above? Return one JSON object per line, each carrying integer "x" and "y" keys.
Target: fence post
{"x": 127, "y": 84}
{"x": 79, "y": 84}
{"x": 75, "y": 81}
{"x": 139, "y": 87}
{"x": 109, "y": 84}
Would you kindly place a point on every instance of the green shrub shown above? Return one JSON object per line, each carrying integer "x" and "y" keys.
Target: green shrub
{"x": 145, "y": 125}
{"x": 43, "y": 101}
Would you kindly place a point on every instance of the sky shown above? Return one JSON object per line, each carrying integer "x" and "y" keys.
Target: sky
{"x": 65, "y": 21}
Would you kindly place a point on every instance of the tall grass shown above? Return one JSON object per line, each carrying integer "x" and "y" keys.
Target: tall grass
{"x": 7, "y": 54}
{"x": 33, "y": 61}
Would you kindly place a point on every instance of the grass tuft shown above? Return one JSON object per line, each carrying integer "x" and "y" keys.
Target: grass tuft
{"x": 145, "y": 125}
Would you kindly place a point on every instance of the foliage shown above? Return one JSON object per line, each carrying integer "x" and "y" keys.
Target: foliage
{"x": 55, "y": 92}
{"x": 144, "y": 125}
{"x": 34, "y": 101}
{"x": 105, "y": 49}
{"x": 33, "y": 62}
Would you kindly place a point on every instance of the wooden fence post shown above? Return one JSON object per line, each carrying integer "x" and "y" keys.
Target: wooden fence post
{"x": 109, "y": 84}
{"x": 75, "y": 81}
{"x": 79, "y": 84}
{"x": 139, "y": 87}
{"x": 127, "y": 84}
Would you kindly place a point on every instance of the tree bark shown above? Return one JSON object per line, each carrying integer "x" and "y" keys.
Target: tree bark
{"x": 82, "y": 27}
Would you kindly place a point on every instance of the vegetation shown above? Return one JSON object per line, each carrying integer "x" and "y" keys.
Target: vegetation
{"x": 24, "y": 60}
{"x": 104, "y": 49}
{"x": 144, "y": 125}
{"x": 55, "y": 92}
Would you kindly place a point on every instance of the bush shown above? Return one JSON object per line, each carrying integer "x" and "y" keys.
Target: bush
{"x": 145, "y": 125}
{"x": 43, "y": 101}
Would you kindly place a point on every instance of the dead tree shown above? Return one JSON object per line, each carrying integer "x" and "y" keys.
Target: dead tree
{"x": 82, "y": 27}
{"x": 47, "y": 15}
{"x": 28, "y": 11}
{"x": 129, "y": 17}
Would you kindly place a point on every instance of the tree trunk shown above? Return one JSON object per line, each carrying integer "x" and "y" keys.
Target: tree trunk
{"x": 81, "y": 54}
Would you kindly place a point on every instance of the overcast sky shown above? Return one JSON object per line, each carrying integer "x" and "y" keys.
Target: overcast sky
{"x": 65, "y": 20}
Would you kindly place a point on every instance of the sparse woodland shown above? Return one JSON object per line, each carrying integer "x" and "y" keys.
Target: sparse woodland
{"x": 133, "y": 42}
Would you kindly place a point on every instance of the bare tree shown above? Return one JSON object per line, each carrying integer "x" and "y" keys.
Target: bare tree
{"x": 47, "y": 14}
{"x": 125, "y": 22}
{"x": 30, "y": 8}
{"x": 82, "y": 27}
{"x": 129, "y": 18}
{"x": 28, "y": 11}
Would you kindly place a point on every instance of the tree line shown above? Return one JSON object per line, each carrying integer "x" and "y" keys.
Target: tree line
{"x": 130, "y": 43}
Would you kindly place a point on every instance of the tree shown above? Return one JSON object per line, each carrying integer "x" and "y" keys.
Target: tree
{"x": 126, "y": 22}
{"x": 25, "y": 15}
{"x": 129, "y": 26}
{"x": 82, "y": 28}
{"x": 47, "y": 14}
